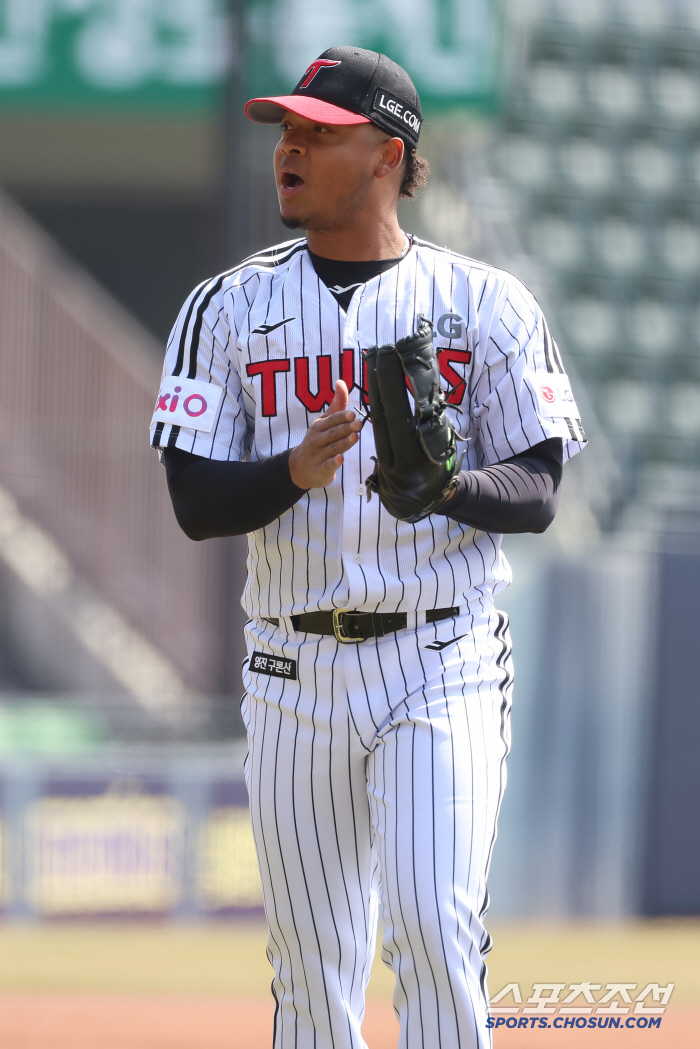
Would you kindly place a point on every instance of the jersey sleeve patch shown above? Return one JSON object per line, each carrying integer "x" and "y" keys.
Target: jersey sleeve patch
{"x": 187, "y": 402}
{"x": 554, "y": 397}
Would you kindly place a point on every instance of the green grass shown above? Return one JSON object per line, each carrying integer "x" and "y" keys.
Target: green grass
{"x": 125, "y": 958}
{"x": 230, "y": 958}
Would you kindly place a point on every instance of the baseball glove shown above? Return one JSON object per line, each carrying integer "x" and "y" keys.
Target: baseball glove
{"x": 416, "y": 464}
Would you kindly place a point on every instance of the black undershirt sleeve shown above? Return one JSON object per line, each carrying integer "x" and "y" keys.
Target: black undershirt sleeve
{"x": 520, "y": 494}
{"x": 214, "y": 498}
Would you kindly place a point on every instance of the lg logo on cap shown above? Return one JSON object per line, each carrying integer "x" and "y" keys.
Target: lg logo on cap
{"x": 399, "y": 110}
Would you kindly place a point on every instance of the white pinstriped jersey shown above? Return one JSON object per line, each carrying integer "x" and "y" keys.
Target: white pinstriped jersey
{"x": 274, "y": 338}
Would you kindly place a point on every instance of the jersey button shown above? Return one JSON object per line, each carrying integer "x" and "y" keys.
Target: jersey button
{"x": 357, "y": 559}
{"x": 360, "y": 489}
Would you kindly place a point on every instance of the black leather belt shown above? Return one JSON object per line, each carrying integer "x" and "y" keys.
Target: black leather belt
{"x": 352, "y": 627}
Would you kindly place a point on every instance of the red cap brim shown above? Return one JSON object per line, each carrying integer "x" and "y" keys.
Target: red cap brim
{"x": 271, "y": 110}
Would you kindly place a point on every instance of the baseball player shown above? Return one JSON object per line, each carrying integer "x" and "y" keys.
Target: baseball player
{"x": 374, "y": 412}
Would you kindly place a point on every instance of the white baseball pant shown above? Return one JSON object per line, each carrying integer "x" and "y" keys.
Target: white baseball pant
{"x": 376, "y": 778}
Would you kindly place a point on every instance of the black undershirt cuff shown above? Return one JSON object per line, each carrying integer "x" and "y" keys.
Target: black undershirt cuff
{"x": 520, "y": 494}
{"x": 215, "y": 498}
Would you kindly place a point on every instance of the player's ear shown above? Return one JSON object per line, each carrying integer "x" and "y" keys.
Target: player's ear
{"x": 391, "y": 159}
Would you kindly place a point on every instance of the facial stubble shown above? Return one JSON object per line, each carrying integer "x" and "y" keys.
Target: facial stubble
{"x": 348, "y": 207}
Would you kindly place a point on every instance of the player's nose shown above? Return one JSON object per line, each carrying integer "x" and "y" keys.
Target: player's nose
{"x": 293, "y": 141}
{"x": 292, "y": 146}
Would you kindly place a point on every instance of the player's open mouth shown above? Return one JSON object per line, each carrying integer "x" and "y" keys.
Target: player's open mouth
{"x": 290, "y": 183}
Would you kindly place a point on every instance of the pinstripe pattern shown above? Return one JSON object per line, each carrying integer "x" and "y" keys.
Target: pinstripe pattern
{"x": 333, "y": 549}
{"x": 377, "y": 778}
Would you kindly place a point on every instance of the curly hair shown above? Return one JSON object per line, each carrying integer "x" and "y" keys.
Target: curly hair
{"x": 415, "y": 175}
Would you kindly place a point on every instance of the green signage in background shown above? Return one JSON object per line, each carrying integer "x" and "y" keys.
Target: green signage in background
{"x": 172, "y": 55}
{"x": 128, "y": 55}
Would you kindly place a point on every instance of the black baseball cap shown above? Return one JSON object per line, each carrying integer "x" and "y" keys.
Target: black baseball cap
{"x": 349, "y": 85}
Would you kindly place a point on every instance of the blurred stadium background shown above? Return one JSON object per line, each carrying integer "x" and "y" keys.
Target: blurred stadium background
{"x": 564, "y": 141}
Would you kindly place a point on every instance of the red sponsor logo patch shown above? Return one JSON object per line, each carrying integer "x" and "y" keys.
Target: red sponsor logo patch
{"x": 548, "y": 394}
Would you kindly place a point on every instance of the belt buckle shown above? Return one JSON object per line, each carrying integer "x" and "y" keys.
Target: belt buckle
{"x": 340, "y": 634}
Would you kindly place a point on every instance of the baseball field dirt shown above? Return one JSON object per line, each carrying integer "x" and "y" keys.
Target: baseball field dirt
{"x": 206, "y": 987}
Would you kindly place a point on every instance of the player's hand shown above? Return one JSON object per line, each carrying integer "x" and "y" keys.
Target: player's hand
{"x": 313, "y": 463}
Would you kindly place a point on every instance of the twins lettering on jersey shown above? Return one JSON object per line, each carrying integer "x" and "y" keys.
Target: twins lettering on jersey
{"x": 313, "y": 379}
{"x": 189, "y": 402}
{"x": 317, "y": 393}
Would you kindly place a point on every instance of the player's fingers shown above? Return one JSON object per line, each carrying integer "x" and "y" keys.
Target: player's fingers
{"x": 330, "y": 455}
{"x": 322, "y": 436}
{"x": 324, "y": 472}
{"x": 340, "y": 399}
{"x": 327, "y": 422}
{"x": 338, "y": 447}
{"x": 332, "y": 464}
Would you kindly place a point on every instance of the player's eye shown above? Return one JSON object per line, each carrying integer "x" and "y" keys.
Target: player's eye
{"x": 320, "y": 127}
